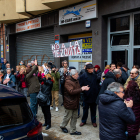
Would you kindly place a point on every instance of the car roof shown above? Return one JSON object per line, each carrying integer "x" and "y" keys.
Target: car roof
{"x": 8, "y": 92}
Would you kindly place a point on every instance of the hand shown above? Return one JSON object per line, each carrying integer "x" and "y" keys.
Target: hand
{"x": 15, "y": 73}
{"x": 57, "y": 70}
{"x": 50, "y": 71}
{"x": 85, "y": 88}
{"x": 65, "y": 70}
{"x": 129, "y": 103}
{"x": 12, "y": 69}
{"x": 35, "y": 62}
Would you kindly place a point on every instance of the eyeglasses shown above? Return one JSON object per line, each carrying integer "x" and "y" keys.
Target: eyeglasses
{"x": 132, "y": 73}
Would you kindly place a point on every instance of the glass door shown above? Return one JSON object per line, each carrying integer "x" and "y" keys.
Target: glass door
{"x": 119, "y": 56}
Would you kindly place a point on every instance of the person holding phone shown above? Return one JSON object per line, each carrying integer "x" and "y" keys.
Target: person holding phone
{"x": 133, "y": 93}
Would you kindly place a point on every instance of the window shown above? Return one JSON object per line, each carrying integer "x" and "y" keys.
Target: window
{"x": 120, "y": 24}
{"x": 120, "y": 39}
{"x": 14, "y": 112}
{"x": 136, "y": 60}
{"x": 137, "y": 29}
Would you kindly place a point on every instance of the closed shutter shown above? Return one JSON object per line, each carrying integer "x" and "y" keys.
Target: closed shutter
{"x": 35, "y": 44}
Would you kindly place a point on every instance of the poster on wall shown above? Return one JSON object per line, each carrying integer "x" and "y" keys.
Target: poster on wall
{"x": 77, "y": 13}
{"x": 78, "y": 61}
{"x": 67, "y": 49}
{"x": 28, "y": 25}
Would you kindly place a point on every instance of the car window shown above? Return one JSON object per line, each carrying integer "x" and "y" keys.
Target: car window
{"x": 14, "y": 112}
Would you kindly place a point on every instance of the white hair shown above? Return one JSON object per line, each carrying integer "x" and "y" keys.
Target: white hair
{"x": 73, "y": 72}
{"x": 117, "y": 71}
{"x": 115, "y": 87}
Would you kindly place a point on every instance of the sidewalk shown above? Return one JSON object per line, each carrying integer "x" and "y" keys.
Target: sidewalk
{"x": 88, "y": 131}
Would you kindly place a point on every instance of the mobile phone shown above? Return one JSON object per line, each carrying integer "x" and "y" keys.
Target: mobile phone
{"x": 35, "y": 58}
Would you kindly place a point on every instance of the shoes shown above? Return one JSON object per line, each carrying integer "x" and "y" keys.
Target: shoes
{"x": 65, "y": 130}
{"x": 48, "y": 127}
{"x": 56, "y": 109}
{"x": 76, "y": 133}
{"x": 51, "y": 108}
{"x": 44, "y": 124}
{"x": 94, "y": 125}
{"x": 82, "y": 124}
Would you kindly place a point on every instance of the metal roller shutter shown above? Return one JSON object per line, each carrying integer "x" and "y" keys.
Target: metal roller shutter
{"x": 35, "y": 44}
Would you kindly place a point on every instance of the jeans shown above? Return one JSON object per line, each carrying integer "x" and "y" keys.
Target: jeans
{"x": 47, "y": 114}
{"x": 33, "y": 103}
{"x": 92, "y": 107}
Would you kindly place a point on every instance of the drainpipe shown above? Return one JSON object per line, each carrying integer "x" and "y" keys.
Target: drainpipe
{"x": 25, "y": 9}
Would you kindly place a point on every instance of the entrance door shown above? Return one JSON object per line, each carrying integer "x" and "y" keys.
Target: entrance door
{"x": 120, "y": 56}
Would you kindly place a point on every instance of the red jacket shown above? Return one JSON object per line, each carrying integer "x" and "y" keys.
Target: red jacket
{"x": 21, "y": 78}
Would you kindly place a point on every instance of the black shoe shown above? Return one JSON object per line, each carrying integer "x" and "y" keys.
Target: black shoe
{"x": 65, "y": 130}
{"x": 76, "y": 133}
{"x": 48, "y": 127}
{"x": 44, "y": 124}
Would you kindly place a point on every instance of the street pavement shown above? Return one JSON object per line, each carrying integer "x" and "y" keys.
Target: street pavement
{"x": 55, "y": 133}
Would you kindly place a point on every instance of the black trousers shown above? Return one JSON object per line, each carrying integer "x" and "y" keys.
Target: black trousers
{"x": 86, "y": 107}
{"x": 47, "y": 114}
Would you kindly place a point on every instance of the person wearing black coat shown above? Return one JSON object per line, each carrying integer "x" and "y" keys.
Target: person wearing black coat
{"x": 114, "y": 113}
{"x": 90, "y": 79}
{"x": 124, "y": 75}
{"x": 46, "y": 87}
{"x": 109, "y": 78}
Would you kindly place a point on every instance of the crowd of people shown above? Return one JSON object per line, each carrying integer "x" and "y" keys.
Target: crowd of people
{"x": 115, "y": 92}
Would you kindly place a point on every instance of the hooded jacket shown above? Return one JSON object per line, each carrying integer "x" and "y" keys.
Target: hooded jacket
{"x": 113, "y": 116}
{"x": 109, "y": 78}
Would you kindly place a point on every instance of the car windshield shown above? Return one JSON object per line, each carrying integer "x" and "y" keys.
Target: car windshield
{"x": 14, "y": 112}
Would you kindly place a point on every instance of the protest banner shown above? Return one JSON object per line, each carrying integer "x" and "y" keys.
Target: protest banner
{"x": 67, "y": 49}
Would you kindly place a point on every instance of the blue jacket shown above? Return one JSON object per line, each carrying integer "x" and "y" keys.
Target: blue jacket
{"x": 4, "y": 65}
{"x": 113, "y": 116}
{"x": 12, "y": 81}
{"x": 91, "y": 95}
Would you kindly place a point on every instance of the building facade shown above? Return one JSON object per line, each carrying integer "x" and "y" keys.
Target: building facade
{"x": 112, "y": 36}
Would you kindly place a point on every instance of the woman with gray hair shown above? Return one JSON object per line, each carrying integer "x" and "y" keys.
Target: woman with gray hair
{"x": 114, "y": 113}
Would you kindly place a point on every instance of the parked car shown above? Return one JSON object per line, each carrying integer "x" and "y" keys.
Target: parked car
{"x": 16, "y": 118}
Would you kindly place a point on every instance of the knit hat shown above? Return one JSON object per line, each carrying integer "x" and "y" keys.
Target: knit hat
{"x": 89, "y": 66}
{"x": 97, "y": 66}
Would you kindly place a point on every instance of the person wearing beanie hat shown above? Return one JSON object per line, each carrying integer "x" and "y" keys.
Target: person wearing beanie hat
{"x": 55, "y": 89}
{"x": 90, "y": 79}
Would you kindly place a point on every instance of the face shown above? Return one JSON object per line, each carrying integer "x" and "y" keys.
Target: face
{"x": 75, "y": 76}
{"x": 113, "y": 67}
{"x": 133, "y": 73}
{"x": 121, "y": 93}
{"x": 8, "y": 65}
{"x": 22, "y": 71}
{"x": 96, "y": 69}
{"x": 90, "y": 70}
{"x": 53, "y": 69}
{"x": 65, "y": 64}
{"x": 5, "y": 60}
{"x": 8, "y": 71}
{"x": 119, "y": 75}
{"x": 17, "y": 68}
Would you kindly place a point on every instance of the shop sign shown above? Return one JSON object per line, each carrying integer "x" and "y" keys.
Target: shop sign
{"x": 28, "y": 25}
{"x": 88, "y": 24}
{"x": 86, "y": 45}
{"x": 77, "y": 13}
{"x": 67, "y": 49}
